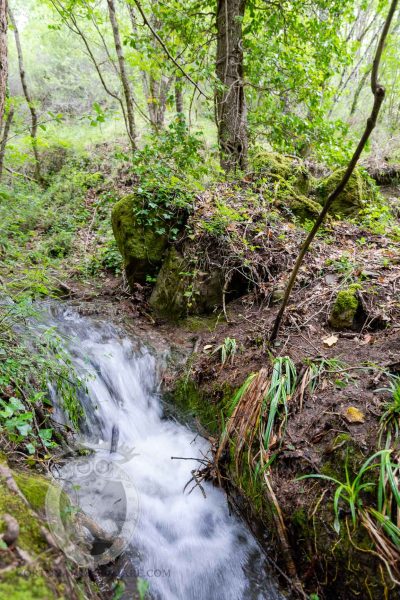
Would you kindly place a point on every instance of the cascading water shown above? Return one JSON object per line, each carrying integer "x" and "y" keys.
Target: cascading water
{"x": 187, "y": 546}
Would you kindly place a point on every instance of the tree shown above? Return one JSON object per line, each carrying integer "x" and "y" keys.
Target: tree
{"x": 28, "y": 98}
{"x": 3, "y": 57}
{"x": 231, "y": 112}
{"x": 123, "y": 74}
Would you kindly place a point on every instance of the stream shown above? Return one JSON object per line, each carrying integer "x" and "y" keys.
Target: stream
{"x": 187, "y": 546}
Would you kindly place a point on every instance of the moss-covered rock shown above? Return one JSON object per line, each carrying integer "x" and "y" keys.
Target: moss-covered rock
{"x": 142, "y": 248}
{"x": 344, "y": 308}
{"x": 35, "y": 576}
{"x": 180, "y": 291}
{"x": 280, "y": 167}
{"x": 288, "y": 181}
{"x": 359, "y": 191}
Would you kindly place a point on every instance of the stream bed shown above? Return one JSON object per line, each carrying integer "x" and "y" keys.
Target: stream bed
{"x": 186, "y": 546}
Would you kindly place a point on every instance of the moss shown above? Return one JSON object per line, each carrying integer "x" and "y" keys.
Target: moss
{"x": 30, "y": 537}
{"x": 198, "y": 324}
{"x": 141, "y": 247}
{"x": 279, "y": 166}
{"x": 289, "y": 182}
{"x": 359, "y": 191}
{"x": 194, "y": 403}
{"x": 34, "y": 488}
{"x": 179, "y": 292}
{"x": 344, "y": 309}
{"x": 21, "y": 584}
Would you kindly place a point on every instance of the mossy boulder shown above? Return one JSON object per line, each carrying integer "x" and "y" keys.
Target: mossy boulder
{"x": 344, "y": 309}
{"x": 142, "y": 248}
{"x": 284, "y": 168}
{"x": 181, "y": 291}
{"x": 358, "y": 193}
{"x": 288, "y": 181}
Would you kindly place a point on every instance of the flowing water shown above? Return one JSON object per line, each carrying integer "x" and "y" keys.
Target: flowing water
{"x": 187, "y": 546}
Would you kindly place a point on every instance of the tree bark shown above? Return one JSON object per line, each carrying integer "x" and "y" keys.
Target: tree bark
{"x": 3, "y": 58}
{"x": 4, "y": 139}
{"x": 123, "y": 74}
{"x": 230, "y": 102}
{"x": 28, "y": 98}
{"x": 179, "y": 98}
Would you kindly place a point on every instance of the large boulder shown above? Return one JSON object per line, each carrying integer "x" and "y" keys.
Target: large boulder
{"x": 180, "y": 292}
{"x": 358, "y": 193}
{"x": 142, "y": 248}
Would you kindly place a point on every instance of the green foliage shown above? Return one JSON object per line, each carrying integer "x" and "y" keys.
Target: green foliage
{"x": 280, "y": 390}
{"x": 143, "y": 587}
{"x": 168, "y": 168}
{"x": 30, "y": 360}
{"x": 227, "y": 349}
{"x": 350, "y": 491}
{"x": 390, "y": 419}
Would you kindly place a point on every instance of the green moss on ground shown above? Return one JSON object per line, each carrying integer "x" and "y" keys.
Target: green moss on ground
{"x": 34, "y": 488}
{"x": 25, "y": 584}
{"x": 288, "y": 181}
{"x": 37, "y": 580}
{"x": 345, "y": 307}
{"x": 30, "y": 537}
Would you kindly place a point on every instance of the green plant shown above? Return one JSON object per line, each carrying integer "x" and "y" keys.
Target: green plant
{"x": 142, "y": 587}
{"x": 227, "y": 349}
{"x": 350, "y": 492}
{"x": 390, "y": 419}
{"x": 275, "y": 404}
{"x": 31, "y": 359}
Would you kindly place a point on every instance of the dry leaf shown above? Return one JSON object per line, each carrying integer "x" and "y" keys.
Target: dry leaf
{"x": 207, "y": 347}
{"x": 330, "y": 341}
{"x": 353, "y": 415}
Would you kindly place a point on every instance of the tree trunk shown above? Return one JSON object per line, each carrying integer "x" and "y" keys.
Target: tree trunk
{"x": 123, "y": 74}
{"x": 4, "y": 139}
{"x": 3, "y": 58}
{"x": 179, "y": 98}
{"x": 28, "y": 98}
{"x": 231, "y": 114}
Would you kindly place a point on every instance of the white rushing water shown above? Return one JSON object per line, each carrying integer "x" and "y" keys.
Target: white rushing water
{"x": 187, "y": 546}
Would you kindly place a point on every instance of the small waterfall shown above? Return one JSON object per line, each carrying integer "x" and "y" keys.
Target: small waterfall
{"x": 187, "y": 546}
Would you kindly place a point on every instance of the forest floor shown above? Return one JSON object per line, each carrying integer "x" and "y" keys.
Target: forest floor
{"x": 322, "y": 434}
{"x": 334, "y": 425}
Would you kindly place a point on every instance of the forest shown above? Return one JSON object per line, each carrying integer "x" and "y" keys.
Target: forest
{"x": 199, "y": 299}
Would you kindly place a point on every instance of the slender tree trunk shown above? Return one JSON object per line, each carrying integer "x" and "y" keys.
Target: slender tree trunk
{"x": 358, "y": 91}
{"x": 231, "y": 113}
{"x": 123, "y": 74}
{"x": 3, "y": 58}
{"x": 179, "y": 98}
{"x": 28, "y": 98}
{"x": 4, "y": 139}
{"x": 155, "y": 90}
